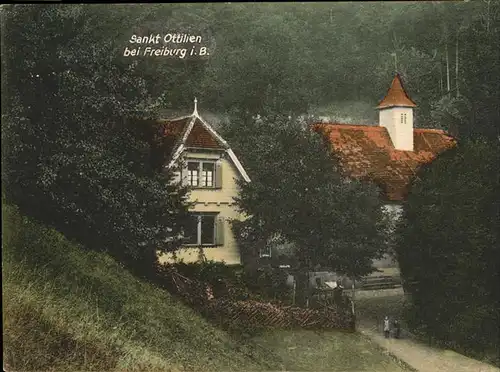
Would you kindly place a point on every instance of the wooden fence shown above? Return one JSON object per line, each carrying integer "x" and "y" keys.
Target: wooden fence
{"x": 251, "y": 314}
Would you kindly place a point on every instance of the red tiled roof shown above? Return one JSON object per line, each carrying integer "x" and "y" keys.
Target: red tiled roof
{"x": 173, "y": 129}
{"x": 199, "y": 136}
{"x": 396, "y": 95}
{"x": 368, "y": 152}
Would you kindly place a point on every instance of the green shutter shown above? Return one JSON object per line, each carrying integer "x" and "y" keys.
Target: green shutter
{"x": 218, "y": 175}
{"x": 219, "y": 231}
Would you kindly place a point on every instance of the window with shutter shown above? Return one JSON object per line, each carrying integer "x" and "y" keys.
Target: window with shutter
{"x": 203, "y": 229}
{"x": 207, "y": 236}
{"x": 203, "y": 174}
{"x": 219, "y": 231}
{"x": 193, "y": 173}
{"x": 207, "y": 174}
{"x": 218, "y": 174}
{"x": 191, "y": 230}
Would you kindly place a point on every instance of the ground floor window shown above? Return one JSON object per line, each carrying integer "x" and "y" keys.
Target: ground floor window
{"x": 204, "y": 229}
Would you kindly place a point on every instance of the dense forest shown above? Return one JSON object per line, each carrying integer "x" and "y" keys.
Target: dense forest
{"x": 335, "y": 59}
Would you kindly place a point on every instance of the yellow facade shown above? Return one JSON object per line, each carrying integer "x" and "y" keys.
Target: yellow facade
{"x": 214, "y": 200}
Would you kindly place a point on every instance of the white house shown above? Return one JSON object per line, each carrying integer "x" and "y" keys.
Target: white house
{"x": 205, "y": 163}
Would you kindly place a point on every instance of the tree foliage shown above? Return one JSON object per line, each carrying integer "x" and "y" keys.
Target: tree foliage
{"x": 68, "y": 85}
{"x": 448, "y": 246}
{"x": 71, "y": 158}
{"x": 297, "y": 194}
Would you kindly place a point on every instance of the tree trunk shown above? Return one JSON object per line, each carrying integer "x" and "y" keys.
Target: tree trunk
{"x": 353, "y": 297}
{"x": 440, "y": 76}
{"x": 456, "y": 67}
{"x": 447, "y": 70}
{"x": 302, "y": 287}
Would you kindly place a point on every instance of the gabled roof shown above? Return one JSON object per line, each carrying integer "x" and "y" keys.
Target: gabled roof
{"x": 367, "y": 152}
{"x": 192, "y": 131}
{"x": 396, "y": 96}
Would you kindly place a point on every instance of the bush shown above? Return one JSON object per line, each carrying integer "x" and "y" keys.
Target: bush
{"x": 224, "y": 281}
{"x": 268, "y": 283}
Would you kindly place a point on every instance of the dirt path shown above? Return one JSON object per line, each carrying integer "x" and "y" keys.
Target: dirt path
{"x": 424, "y": 358}
{"x": 421, "y": 357}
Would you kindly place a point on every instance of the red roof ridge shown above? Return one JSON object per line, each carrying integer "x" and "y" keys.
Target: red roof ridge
{"x": 351, "y": 126}
{"x": 431, "y": 130}
{"x": 376, "y": 127}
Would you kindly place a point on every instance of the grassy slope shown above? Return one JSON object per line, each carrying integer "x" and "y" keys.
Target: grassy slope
{"x": 67, "y": 309}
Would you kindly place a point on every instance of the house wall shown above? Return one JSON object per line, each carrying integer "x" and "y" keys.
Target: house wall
{"x": 214, "y": 200}
{"x": 401, "y": 133}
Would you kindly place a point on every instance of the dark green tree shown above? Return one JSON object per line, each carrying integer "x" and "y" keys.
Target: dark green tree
{"x": 297, "y": 194}
{"x": 73, "y": 158}
{"x": 448, "y": 246}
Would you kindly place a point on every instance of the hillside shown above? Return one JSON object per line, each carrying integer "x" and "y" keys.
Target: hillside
{"x": 68, "y": 309}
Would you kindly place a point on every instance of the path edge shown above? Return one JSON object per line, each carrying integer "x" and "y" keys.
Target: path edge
{"x": 386, "y": 351}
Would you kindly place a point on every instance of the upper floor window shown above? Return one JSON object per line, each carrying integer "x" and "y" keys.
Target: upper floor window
{"x": 203, "y": 173}
{"x": 193, "y": 173}
{"x": 207, "y": 174}
{"x": 403, "y": 118}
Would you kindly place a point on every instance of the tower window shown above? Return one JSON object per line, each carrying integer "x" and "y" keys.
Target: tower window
{"x": 405, "y": 118}
{"x": 402, "y": 118}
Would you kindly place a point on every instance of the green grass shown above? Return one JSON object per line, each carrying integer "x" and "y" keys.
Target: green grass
{"x": 327, "y": 351}
{"x": 69, "y": 309}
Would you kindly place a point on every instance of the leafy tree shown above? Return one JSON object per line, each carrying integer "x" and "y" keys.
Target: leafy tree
{"x": 448, "y": 246}
{"x": 296, "y": 194}
{"x": 71, "y": 159}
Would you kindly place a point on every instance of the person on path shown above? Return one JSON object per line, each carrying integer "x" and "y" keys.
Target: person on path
{"x": 397, "y": 329}
{"x": 387, "y": 328}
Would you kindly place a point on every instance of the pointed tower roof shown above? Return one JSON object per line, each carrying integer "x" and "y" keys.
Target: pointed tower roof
{"x": 396, "y": 95}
